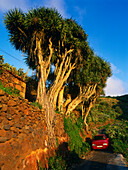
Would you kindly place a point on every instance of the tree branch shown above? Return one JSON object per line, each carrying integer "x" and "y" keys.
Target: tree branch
{"x": 89, "y": 91}
{"x": 50, "y": 55}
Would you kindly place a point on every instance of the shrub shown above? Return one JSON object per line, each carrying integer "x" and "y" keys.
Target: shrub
{"x": 57, "y": 163}
{"x": 73, "y": 129}
{"x": 118, "y": 134}
{"x": 118, "y": 110}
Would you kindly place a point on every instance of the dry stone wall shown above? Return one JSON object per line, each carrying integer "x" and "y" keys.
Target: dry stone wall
{"x": 13, "y": 81}
{"x": 23, "y": 134}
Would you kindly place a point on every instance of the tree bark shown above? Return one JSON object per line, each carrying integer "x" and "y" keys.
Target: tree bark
{"x": 86, "y": 115}
{"x": 60, "y": 99}
{"x": 88, "y": 110}
{"x": 88, "y": 92}
{"x": 43, "y": 99}
{"x": 63, "y": 73}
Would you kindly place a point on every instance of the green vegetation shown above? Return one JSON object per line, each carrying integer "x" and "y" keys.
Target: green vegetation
{"x": 118, "y": 134}
{"x": 36, "y": 104}
{"x": 114, "y": 110}
{"x": 57, "y": 162}
{"x": 102, "y": 111}
{"x": 9, "y": 90}
{"x": 111, "y": 110}
{"x": 73, "y": 128}
{"x": 11, "y": 68}
{"x": 74, "y": 149}
{"x": 79, "y": 77}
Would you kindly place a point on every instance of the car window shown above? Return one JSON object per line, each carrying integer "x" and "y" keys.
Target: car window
{"x": 99, "y": 137}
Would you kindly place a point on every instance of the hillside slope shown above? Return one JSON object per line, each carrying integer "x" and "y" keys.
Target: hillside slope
{"x": 111, "y": 114}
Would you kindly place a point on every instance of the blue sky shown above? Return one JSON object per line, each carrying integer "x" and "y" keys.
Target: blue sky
{"x": 105, "y": 22}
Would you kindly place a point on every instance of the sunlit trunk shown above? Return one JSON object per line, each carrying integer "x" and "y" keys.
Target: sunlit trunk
{"x": 60, "y": 99}
{"x": 88, "y": 110}
{"x": 43, "y": 99}
{"x": 84, "y": 96}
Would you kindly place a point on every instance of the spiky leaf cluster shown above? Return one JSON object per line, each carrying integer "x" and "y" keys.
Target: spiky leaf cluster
{"x": 25, "y": 28}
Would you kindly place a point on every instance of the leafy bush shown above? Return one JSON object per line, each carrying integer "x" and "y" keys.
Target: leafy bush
{"x": 73, "y": 129}
{"x": 102, "y": 111}
{"x": 118, "y": 112}
{"x": 118, "y": 134}
{"x": 57, "y": 162}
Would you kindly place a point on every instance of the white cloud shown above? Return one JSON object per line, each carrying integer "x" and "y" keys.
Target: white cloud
{"x": 60, "y": 5}
{"x": 10, "y": 4}
{"x": 115, "y": 87}
{"x": 80, "y": 13}
{"x": 114, "y": 69}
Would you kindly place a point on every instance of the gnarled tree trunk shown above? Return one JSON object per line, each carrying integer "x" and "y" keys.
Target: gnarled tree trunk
{"x": 60, "y": 99}
{"x": 42, "y": 97}
{"x": 85, "y": 95}
{"x": 92, "y": 101}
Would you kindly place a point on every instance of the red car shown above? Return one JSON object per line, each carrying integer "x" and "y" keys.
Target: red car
{"x": 100, "y": 142}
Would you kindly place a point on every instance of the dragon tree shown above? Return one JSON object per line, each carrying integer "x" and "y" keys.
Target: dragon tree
{"x": 48, "y": 40}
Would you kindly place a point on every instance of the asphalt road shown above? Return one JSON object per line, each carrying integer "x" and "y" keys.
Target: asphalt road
{"x": 102, "y": 160}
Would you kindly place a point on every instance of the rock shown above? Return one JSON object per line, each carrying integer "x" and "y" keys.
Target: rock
{"x": 4, "y": 108}
{"x": 26, "y": 127}
{"x": 22, "y": 118}
{"x": 7, "y": 127}
{"x": 2, "y": 92}
{"x": 3, "y": 133}
{"x": 3, "y": 139}
{"x": 14, "y": 135}
{"x": 30, "y": 129}
{"x": 1, "y": 106}
{"x": 9, "y": 134}
{"x": 11, "y": 110}
{"x": 15, "y": 130}
{"x": 18, "y": 126}
{"x": 16, "y": 118}
{"x": 9, "y": 116}
{"x": 11, "y": 103}
{"x": 18, "y": 87}
{"x": 11, "y": 123}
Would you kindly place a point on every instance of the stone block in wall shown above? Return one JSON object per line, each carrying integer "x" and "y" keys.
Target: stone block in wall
{"x": 23, "y": 84}
{"x": 18, "y": 87}
{"x": 16, "y": 80}
{"x": 10, "y": 84}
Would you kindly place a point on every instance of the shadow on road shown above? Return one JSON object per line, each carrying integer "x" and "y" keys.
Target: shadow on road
{"x": 92, "y": 165}
{"x": 101, "y": 160}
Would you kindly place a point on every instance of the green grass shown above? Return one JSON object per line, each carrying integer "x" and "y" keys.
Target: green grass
{"x": 36, "y": 104}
